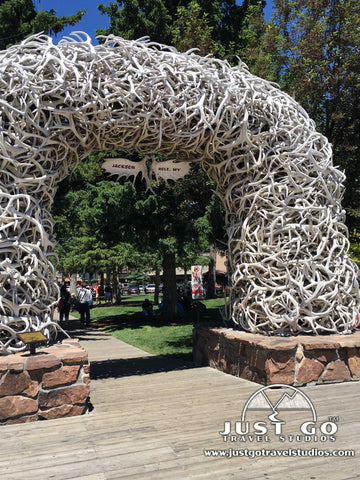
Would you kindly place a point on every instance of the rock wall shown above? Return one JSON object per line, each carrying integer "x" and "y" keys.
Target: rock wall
{"x": 53, "y": 383}
{"x": 297, "y": 361}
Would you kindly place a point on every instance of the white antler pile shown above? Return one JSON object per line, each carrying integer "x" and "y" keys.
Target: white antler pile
{"x": 287, "y": 240}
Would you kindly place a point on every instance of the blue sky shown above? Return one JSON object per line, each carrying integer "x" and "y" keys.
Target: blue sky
{"x": 89, "y": 22}
{"x": 92, "y": 18}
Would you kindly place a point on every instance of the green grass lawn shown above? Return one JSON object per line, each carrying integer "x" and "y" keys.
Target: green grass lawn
{"x": 153, "y": 334}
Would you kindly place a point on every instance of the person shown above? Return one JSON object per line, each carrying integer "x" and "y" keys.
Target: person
{"x": 185, "y": 299}
{"x": 91, "y": 295}
{"x": 64, "y": 304}
{"x": 147, "y": 308}
{"x": 97, "y": 292}
{"x": 108, "y": 293}
{"x": 84, "y": 300}
{"x": 180, "y": 309}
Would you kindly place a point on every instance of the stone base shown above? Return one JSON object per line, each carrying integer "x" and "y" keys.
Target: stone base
{"x": 300, "y": 360}
{"x": 53, "y": 383}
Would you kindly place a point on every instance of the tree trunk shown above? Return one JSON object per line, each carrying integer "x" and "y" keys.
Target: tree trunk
{"x": 169, "y": 308}
{"x": 157, "y": 286}
{"x": 211, "y": 286}
{"x": 185, "y": 276}
{"x": 102, "y": 283}
{"x": 116, "y": 292}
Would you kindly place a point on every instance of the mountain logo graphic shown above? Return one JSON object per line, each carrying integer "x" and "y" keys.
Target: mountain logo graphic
{"x": 288, "y": 398}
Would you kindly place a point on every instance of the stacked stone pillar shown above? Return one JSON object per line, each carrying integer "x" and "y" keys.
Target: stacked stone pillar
{"x": 54, "y": 383}
{"x": 301, "y": 360}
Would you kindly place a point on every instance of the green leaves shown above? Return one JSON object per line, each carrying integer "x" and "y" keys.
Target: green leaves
{"x": 192, "y": 29}
{"x": 132, "y": 19}
{"x": 19, "y": 19}
{"x": 102, "y": 224}
{"x": 316, "y": 46}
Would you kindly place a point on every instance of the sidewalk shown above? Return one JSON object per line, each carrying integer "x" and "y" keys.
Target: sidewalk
{"x": 152, "y": 419}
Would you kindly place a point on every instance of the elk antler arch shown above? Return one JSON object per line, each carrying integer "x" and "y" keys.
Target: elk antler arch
{"x": 287, "y": 246}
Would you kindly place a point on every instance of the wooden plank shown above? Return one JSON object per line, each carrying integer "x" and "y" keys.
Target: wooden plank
{"x": 157, "y": 426}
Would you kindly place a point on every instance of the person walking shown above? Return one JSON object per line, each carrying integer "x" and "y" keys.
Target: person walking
{"x": 97, "y": 293}
{"x": 64, "y": 304}
{"x": 108, "y": 293}
{"x": 84, "y": 300}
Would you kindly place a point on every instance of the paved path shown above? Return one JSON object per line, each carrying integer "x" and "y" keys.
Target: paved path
{"x": 153, "y": 418}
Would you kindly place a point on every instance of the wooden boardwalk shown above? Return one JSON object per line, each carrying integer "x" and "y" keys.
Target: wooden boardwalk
{"x": 153, "y": 418}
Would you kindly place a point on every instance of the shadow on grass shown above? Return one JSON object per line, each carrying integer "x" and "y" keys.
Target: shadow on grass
{"x": 185, "y": 342}
{"x": 111, "y": 322}
{"x": 112, "y": 319}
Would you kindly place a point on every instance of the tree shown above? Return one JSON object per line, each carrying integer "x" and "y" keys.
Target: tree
{"x": 212, "y": 226}
{"x": 93, "y": 219}
{"x": 132, "y": 19}
{"x": 19, "y": 19}
{"x": 316, "y": 47}
{"x": 210, "y": 25}
{"x": 96, "y": 218}
{"x": 192, "y": 29}
{"x": 169, "y": 223}
{"x": 251, "y": 48}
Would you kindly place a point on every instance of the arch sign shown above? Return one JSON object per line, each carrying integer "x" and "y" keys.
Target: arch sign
{"x": 148, "y": 167}
{"x": 287, "y": 250}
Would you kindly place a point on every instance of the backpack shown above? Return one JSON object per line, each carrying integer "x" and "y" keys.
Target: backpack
{"x": 61, "y": 305}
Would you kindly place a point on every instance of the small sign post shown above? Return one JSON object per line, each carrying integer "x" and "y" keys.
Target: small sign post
{"x": 33, "y": 339}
